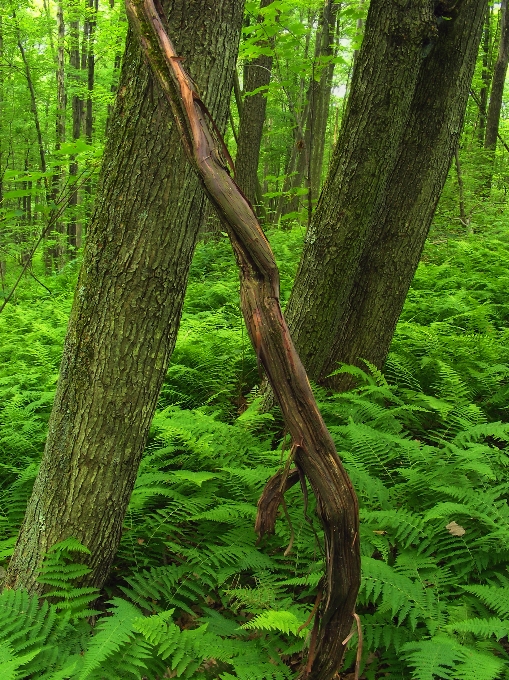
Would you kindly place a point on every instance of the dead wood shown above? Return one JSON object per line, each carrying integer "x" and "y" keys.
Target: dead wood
{"x": 315, "y": 454}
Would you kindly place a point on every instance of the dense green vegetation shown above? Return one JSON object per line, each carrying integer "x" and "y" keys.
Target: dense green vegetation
{"x": 425, "y": 446}
{"x": 192, "y": 594}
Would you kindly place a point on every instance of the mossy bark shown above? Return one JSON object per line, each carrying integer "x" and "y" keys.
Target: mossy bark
{"x": 401, "y": 224}
{"x": 381, "y": 95}
{"x": 386, "y": 177}
{"x": 128, "y": 300}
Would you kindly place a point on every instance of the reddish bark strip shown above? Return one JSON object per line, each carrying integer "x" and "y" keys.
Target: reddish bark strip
{"x": 315, "y": 454}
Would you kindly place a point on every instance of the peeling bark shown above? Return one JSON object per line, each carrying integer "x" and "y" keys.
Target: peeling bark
{"x": 313, "y": 449}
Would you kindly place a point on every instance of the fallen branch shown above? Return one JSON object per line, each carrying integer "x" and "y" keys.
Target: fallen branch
{"x": 315, "y": 454}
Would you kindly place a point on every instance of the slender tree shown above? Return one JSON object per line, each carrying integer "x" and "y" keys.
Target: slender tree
{"x": 373, "y": 216}
{"x": 128, "y": 300}
{"x": 77, "y": 117}
{"x": 498, "y": 81}
{"x": 486, "y": 75}
{"x": 257, "y": 74}
{"x": 310, "y": 150}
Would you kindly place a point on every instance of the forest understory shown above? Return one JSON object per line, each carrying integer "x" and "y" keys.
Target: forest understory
{"x": 191, "y": 594}
{"x": 137, "y": 326}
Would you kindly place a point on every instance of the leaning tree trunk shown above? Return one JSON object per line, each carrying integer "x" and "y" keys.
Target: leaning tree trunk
{"x": 400, "y": 226}
{"x": 257, "y": 75}
{"x": 312, "y": 449}
{"x": 381, "y": 95}
{"x": 128, "y": 301}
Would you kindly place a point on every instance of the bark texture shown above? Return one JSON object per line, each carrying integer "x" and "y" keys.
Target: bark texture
{"x": 401, "y": 223}
{"x": 498, "y": 81}
{"x": 128, "y": 301}
{"x": 312, "y": 449}
{"x": 381, "y": 95}
{"x": 257, "y": 75}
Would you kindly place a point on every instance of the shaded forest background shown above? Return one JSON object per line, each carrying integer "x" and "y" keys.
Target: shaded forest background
{"x": 424, "y": 441}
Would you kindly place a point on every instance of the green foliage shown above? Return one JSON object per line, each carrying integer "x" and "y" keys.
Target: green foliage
{"x": 192, "y": 594}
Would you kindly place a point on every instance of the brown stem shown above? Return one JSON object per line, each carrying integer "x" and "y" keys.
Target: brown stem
{"x": 315, "y": 451}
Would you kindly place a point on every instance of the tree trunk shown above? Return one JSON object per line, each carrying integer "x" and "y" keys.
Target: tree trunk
{"x": 128, "y": 300}
{"x": 320, "y": 97}
{"x": 53, "y": 253}
{"x": 400, "y": 225}
{"x": 257, "y": 75}
{"x": 77, "y": 116}
{"x": 89, "y": 66}
{"x": 498, "y": 82}
{"x": 381, "y": 95}
{"x": 310, "y": 149}
{"x": 33, "y": 99}
{"x": 485, "y": 76}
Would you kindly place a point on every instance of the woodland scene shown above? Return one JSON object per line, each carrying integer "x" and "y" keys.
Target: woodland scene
{"x": 254, "y": 340}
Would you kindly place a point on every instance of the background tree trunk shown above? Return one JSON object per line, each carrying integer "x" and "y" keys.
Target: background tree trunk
{"x": 485, "y": 76}
{"x": 310, "y": 153}
{"x": 77, "y": 116}
{"x": 53, "y": 253}
{"x": 128, "y": 300}
{"x": 498, "y": 81}
{"x": 257, "y": 75}
{"x": 381, "y": 95}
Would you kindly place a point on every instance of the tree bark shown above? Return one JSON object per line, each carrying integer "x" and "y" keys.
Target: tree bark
{"x": 401, "y": 223}
{"x": 382, "y": 89}
{"x": 53, "y": 253}
{"x": 498, "y": 81}
{"x": 310, "y": 151}
{"x": 312, "y": 445}
{"x": 486, "y": 76}
{"x": 128, "y": 301}
{"x": 77, "y": 116}
{"x": 257, "y": 75}
{"x": 320, "y": 97}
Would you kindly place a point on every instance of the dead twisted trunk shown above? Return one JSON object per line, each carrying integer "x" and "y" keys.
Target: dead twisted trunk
{"x": 313, "y": 448}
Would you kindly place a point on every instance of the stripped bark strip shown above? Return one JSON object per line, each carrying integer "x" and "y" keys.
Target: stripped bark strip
{"x": 315, "y": 453}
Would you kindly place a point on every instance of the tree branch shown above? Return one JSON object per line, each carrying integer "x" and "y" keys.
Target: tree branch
{"x": 315, "y": 453}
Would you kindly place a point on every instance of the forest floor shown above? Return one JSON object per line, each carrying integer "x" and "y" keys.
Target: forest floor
{"x": 424, "y": 442}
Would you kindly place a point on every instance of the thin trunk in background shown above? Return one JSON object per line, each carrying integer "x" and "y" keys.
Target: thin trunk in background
{"x": 257, "y": 74}
{"x": 486, "y": 76}
{"x": 320, "y": 97}
{"x": 317, "y": 111}
{"x": 464, "y": 218}
{"x": 498, "y": 81}
{"x": 54, "y": 252}
{"x": 89, "y": 65}
{"x": 496, "y": 94}
{"x": 33, "y": 100}
{"x": 128, "y": 301}
{"x": 77, "y": 115}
